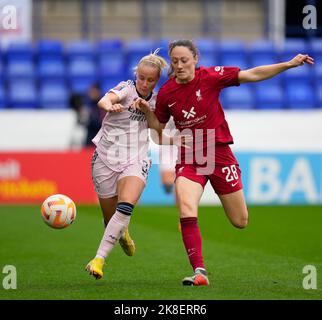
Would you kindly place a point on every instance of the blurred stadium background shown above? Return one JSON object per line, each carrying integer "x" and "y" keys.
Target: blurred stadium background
{"x": 58, "y": 52}
{"x": 57, "y": 58}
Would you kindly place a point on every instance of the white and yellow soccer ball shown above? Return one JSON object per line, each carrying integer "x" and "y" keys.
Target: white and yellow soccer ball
{"x": 58, "y": 211}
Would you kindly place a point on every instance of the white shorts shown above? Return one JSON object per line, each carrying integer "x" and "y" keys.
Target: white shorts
{"x": 105, "y": 179}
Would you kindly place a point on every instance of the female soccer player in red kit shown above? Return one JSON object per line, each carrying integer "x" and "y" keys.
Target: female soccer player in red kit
{"x": 191, "y": 97}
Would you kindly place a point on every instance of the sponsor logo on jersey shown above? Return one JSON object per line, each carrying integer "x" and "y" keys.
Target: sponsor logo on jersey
{"x": 135, "y": 114}
{"x": 189, "y": 114}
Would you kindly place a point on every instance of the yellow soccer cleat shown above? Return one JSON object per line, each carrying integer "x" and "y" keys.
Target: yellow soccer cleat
{"x": 127, "y": 243}
{"x": 95, "y": 267}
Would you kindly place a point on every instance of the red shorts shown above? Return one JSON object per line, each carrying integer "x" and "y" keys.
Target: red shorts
{"x": 224, "y": 174}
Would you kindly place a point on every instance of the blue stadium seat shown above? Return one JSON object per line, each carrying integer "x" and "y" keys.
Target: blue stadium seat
{"x": 234, "y": 61}
{"x": 318, "y": 72}
{"x": 292, "y": 47}
{"x": 163, "y": 45}
{"x": 112, "y": 64}
{"x": 54, "y": 97}
{"x": 299, "y": 74}
{"x": 260, "y": 60}
{"x": 232, "y": 46}
{"x": 108, "y": 45}
{"x": 2, "y": 71}
{"x": 316, "y": 53}
{"x": 3, "y": 100}
{"x": 136, "y": 49}
{"x": 51, "y": 69}
{"x": 262, "y": 52}
{"x": 316, "y": 48}
{"x": 300, "y": 96}
{"x": 51, "y": 63}
{"x": 108, "y": 83}
{"x": 81, "y": 74}
{"x": 233, "y": 53}
{"x": 269, "y": 96}
{"x": 20, "y": 50}
{"x": 82, "y": 68}
{"x": 207, "y": 52}
{"x": 22, "y": 94}
{"x": 49, "y": 49}
{"x": 265, "y": 47}
{"x": 143, "y": 46}
{"x": 315, "y": 45}
{"x": 265, "y": 55}
{"x": 19, "y": 60}
{"x": 318, "y": 90}
{"x": 81, "y": 49}
{"x": 238, "y": 98}
{"x": 80, "y": 85}
{"x": 111, "y": 58}
{"x": 20, "y": 69}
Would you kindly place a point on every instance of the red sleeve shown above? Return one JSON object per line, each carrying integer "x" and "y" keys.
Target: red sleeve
{"x": 161, "y": 108}
{"x": 224, "y": 76}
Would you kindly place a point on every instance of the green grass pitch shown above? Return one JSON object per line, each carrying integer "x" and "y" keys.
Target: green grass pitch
{"x": 263, "y": 261}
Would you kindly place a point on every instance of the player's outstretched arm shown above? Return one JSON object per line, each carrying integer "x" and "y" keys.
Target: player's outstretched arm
{"x": 110, "y": 103}
{"x": 268, "y": 71}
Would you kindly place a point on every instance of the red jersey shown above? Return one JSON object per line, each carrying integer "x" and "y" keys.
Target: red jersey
{"x": 195, "y": 105}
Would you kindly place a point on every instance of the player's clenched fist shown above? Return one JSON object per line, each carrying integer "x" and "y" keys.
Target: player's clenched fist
{"x": 117, "y": 107}
{"x": 142, "y": 105}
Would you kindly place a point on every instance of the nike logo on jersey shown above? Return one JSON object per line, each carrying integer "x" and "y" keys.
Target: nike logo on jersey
{"x": 172, "y": 104}
{"x": 233, "y": 184}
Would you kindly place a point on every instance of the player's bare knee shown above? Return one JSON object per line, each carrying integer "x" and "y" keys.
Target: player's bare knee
{"x": 186, "y": 209}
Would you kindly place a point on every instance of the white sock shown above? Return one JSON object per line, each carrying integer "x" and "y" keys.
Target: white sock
{"x": 113, "y": 231}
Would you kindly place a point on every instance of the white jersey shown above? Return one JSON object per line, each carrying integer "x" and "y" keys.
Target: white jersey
{"x": 124, "y": 138}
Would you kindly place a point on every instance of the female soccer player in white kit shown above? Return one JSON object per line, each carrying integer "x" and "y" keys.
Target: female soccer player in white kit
{"x": 120, "y": 164}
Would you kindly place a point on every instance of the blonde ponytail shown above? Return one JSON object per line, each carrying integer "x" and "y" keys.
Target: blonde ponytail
{"x": 154, "y": 60}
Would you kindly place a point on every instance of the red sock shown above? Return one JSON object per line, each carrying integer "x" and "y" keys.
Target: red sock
{"x": 192, "y": 241}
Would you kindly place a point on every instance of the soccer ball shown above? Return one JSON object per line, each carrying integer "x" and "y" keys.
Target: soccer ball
{"x": 58, "y": 211}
